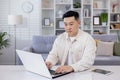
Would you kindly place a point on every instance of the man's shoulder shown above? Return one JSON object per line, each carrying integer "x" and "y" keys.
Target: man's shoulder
{"x": 61, "y": 36}
{"x": 84, "y": 34}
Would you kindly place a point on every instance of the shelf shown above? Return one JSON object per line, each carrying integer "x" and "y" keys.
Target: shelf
{"x": 47, "y": 27}
{"x": 87, "y": 29}
{"x": 87, "y": 17}
{"x": 47, "y": 8}
{"x": 114, "y": 22}
{"x": 100, "y": 26}
{"x": 114, "y": 12}
{"x": 114, "y": 29}
{"x": 63, "y": 3}
{"x": 100, "y": 9}
{"x": 60, "y": 29}
{"x": 59, "y": 17}
{"x": 76, "y": 9}
{"x": 86, "y": 4}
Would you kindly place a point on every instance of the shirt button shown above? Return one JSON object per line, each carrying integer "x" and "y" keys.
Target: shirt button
{"x": 71, "y": 52}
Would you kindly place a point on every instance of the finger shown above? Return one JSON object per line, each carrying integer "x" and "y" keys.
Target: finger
{"x": 59, "y": 70}
{"x": 48, "y": 65}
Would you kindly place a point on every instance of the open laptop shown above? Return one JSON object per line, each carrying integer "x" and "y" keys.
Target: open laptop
{"x": 34, "y": 63}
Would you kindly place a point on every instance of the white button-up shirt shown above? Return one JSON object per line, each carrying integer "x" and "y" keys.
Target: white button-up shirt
{"x": 82, "y": 51}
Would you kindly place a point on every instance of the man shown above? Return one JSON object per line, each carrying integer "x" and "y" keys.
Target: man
{"x": 74, "y": 49}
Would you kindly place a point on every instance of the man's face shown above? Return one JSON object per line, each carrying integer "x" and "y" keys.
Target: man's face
{"x": 71, "y": 26}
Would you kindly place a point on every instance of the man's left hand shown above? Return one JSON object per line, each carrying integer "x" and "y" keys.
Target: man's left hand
{"x": 63, "y": 69}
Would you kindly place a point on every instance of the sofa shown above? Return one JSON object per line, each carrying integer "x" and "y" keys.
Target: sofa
{"x": 43, "y": 44}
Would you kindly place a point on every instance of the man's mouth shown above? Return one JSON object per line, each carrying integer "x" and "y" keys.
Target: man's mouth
{"x": 69, "y": 31}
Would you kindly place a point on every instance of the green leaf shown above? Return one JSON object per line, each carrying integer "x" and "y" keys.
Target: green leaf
{"x": 104, "y": 17}
{"x": 4, "y": 40}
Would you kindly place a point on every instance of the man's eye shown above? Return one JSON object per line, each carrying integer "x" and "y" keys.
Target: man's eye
{"x": 71, "y": 24}
{"x": 65, "y": 24}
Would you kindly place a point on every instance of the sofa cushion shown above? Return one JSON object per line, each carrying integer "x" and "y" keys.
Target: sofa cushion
{"x": 42, "y": 44}
{"x": 107, "y": 60}
{"x": 116, "y": 49}
{"x": 97, "y": 42}
{"x": 106, "y": 38}
{"x": 105, "y": 48}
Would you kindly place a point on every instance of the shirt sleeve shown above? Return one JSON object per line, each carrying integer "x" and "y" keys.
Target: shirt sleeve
{"x": 52, "y": 56}
{"x": 88, "y": 56}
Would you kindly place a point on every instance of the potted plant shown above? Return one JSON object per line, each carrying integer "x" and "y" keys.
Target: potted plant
{"x": 104, "y": 18}
{"x": 4, "y": 40}
{"x": 77, "y": 5}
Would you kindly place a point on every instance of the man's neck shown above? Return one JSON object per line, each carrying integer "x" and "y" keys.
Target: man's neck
{"x": 74, "y": 35}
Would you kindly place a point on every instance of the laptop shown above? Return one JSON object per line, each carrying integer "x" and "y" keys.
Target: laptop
{"x": 35, "y": 63}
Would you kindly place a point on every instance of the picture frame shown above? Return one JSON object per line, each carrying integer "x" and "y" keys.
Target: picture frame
{"x": 47, "y": 21}
{"x": 61, "y": 24}
{"x": 96, "y": 20}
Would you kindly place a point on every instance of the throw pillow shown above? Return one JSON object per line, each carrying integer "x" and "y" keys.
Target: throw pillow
{"x": 116, "y": 49}
{"x": 105, "y": 48}
{"x": 97, "y": 42}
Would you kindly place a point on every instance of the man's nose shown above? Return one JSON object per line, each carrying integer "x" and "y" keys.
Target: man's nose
{"x": 68, "y": 27}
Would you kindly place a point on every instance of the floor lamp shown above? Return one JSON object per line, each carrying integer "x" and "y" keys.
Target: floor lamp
{"x": 15, "y": 20}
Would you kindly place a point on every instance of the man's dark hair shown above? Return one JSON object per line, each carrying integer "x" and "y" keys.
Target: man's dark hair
{"x": 70, "y": 14}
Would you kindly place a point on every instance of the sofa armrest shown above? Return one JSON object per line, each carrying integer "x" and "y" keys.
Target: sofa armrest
{"x": 29, "y": 49}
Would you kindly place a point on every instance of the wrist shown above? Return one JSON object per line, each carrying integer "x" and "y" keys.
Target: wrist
{"x": 72, "y": 70}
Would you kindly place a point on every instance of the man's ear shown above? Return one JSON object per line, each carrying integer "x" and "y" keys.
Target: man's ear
{"x": 79, "y": 22}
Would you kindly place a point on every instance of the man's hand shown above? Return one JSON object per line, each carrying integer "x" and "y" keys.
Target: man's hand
{"x": 49, "y": 65}
{"x": 63, "y": 69}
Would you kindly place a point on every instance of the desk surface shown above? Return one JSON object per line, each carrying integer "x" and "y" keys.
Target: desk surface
{"x": 12, "y": 72}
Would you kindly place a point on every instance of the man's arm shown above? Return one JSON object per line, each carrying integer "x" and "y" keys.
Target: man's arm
{"x": 52, "y": 58}
{"x": 88, "y": 56}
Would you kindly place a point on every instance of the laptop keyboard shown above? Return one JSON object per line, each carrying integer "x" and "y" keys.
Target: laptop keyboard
{"x": 53, "y": 72}
{"x": 55, "y": 75}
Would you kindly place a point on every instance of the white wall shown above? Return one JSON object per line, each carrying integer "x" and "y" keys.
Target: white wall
{"x": 31, "y": 21}
{"x": 31, "y": 25}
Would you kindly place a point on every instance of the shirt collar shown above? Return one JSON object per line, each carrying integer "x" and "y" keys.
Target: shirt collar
{"x": 76, "y": 37}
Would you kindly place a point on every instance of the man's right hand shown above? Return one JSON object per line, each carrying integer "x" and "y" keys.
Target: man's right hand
{"x": 49, "y": 65}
